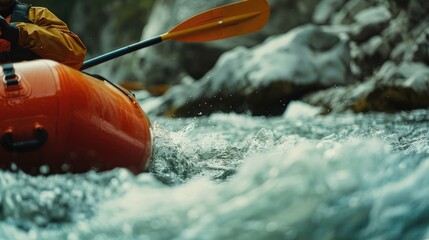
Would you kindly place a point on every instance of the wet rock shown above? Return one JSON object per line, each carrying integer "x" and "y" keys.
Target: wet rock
{"x": 369, "y": 23}
{"x": 365, "y": 24}
{"x": 420, "y": 50}
{"x": 371, "y": 54}
{"x": 393, "y": 88}
{"x": 169, "y": 62}
{"x": 418, "y": 10}
{"x": 326, "y": 9}
{"x": 391, "y": 99}
{"x": 264, "y": 79}
{"x": 414, "y": 46}
{"x": 338, "y": 99}
{"x": 347, "y": 13}
{"x": 372, "y": 33}
{"x": 398, "y": 53}
{"x": 411, "y": 75}
{"x": 389, "y": 56}
{"x": 395, "y": 32}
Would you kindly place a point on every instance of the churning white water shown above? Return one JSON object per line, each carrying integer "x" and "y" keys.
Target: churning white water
{"x": 230, "y": 176}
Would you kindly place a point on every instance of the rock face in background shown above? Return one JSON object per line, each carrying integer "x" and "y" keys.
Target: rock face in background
{"x": 390, "y": 51}
{"x": 365, "y": 56}
{"x": 107, "y": 26}
{"x": 264, "y": 79}
{"x": 169, "y": 62}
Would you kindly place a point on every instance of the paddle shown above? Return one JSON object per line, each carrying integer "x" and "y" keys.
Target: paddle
{"x": 219, "y": 23}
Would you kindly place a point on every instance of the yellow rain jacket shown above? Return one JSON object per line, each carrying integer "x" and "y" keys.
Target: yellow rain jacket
{"x": 49, "y": 37}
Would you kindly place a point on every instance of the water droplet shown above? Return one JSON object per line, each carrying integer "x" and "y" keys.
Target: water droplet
{"x": 44, "y": 169}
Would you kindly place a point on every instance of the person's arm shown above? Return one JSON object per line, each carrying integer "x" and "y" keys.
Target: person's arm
{"x": 50, "y": 38}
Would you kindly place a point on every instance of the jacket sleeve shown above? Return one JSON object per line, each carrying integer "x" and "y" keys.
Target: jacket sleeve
{"x": 50, "y": 38}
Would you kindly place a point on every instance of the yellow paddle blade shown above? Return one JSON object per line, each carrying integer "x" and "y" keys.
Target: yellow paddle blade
{"x": 222, "y": 22}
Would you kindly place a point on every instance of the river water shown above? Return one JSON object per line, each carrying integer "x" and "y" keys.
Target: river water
{"x": 229, "y": 176}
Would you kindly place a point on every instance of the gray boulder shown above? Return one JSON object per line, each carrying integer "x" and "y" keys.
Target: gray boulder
{"x": 365, "y": 24}
{"x": 418, "y": 10}
{"x": 393, "y": 88}
{"x": 264, "y": 79}
{"x": 389, "y": 42}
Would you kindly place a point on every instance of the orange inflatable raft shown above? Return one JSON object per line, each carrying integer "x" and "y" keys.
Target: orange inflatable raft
{"x": 57, "y": 118}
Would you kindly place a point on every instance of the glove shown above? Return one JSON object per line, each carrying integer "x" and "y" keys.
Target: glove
{"x": 8, "y": 31}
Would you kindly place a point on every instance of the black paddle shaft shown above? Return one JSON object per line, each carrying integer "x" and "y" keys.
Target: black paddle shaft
{"x": 119, "y": 52}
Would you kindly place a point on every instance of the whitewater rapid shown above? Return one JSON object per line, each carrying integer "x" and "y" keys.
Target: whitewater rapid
{"x": 229, "y": 176}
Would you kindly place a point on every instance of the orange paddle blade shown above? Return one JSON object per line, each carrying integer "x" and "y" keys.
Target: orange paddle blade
{"x": 222, "y": 22}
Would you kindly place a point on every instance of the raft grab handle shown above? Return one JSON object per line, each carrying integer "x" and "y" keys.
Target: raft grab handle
{"x": 40, "y": 137}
